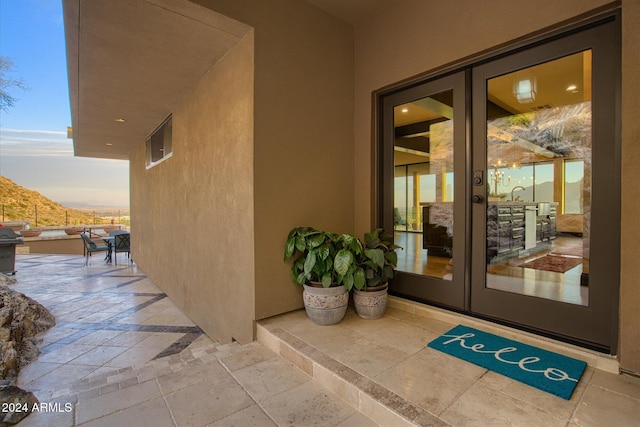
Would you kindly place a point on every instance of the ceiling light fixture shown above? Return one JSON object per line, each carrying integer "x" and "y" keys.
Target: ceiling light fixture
{"x": 405, "y": 110}
{"x": 108, "y": 144}
{"x": 120, "y": 120}
{"x": 572, "y": 89}
{"x": 525, "y": 90}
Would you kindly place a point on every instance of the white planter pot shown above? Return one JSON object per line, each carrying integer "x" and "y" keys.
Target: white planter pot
{"x": 325, "y": 306}
{"x": 371, "y": 304}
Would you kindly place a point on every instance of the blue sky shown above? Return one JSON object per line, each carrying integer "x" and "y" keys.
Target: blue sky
{"x": 34, "y": 149}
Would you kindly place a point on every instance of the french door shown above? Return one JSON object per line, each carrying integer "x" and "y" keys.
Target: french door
{"x": 501, "y": 183}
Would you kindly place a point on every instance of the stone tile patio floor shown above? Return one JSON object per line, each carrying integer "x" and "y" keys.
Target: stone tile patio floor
{"x": 121, "y": 353}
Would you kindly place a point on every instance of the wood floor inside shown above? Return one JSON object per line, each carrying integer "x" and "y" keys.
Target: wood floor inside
{"x": 510, "y": 275}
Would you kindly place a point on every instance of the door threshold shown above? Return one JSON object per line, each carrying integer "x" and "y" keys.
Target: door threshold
{"x": 597, "y": 360}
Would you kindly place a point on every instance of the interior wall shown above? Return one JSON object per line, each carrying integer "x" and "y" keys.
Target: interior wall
{"x": 413, "y": 37}
{"x": 196, "y": 237}
{"x": 303, "y": 129}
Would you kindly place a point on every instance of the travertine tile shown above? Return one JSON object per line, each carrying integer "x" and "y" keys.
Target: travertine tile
{"x": 357, "y": 420}
{"x": 535, "y": 397}
{"x": 600, "y": 407}
{"x": 129, "y": 338}
{"x": 252, "y": 353}
{"x": 307, "y": 405}
{"x": 253, "y": 416}
{"x": 428, "y": 385}
{"x": 405, "y": 337}
{"x": 484, "y": 406}
{"x": 35, "y": 370}
{"x": 395, "y": 313}
{"x": 153, "y": 412}
{"x": 110, "y": 403}
{"x": 133, "y": 356}
{"x": 370, "y": 327}
{"x": 208, "y": 401}
{"x": 367, "y": 356}
{"x": 437, "y": 326}
{"x": 98, "y": 338}
{"x": 98, "y": 356}
{"x": 270, "y": 377}
{"x": 65, "y": 354}
{"x": 383, "y": 415}
{"x": 189, "y": 376}
{"x": 623, "y": 384}
{"x": 330, "y": 380}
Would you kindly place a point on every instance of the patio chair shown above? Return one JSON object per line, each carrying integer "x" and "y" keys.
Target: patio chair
{"x": 121, "y": 243}
{"x": 90, "y": 247}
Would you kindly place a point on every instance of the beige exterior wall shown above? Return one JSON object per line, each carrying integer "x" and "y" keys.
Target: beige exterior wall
{"x": 630, "y": 224}
{"x": 303, "y": 148}
{"x": 196, "y": 236}
{"x": 309, "y": 161}
{"x": 411, "y": 38}
{"x": 237, "y": 184}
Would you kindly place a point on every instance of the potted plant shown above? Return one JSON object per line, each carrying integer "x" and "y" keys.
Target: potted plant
{"x": 325, "y": 265}
{"x": 378, "y": 262}
{"x": 31, "y": 232}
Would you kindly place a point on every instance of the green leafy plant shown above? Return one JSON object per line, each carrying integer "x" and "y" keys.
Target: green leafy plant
{"x": 316, "y": 250}
{"x": 342, "y": 259}
{"x": 349, "y": 273}
{"x": 378, "y": 260}
{"x": 323, "y": 257}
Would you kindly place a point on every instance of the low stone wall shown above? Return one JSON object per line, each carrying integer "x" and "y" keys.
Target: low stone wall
{"x": 71, "y": 245}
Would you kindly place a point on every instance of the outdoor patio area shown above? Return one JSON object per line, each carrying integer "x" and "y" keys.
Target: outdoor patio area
{"x": 122, "y": 353}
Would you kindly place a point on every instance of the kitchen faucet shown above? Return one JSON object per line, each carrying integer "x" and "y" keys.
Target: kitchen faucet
{"x": 514, "y": 189}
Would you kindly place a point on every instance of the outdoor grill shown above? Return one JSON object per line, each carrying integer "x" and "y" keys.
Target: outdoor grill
{"x": 8, "y": 241}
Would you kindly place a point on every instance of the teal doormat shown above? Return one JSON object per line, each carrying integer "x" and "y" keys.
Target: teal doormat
{"x": 548, "y": 371}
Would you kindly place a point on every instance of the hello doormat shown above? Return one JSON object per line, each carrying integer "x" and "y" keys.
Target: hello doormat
{"x": 556, "y": 263}
{"x": 546, "y": 370}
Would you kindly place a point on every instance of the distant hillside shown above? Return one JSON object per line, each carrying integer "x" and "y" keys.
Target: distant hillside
{"x": 20, "y": 204}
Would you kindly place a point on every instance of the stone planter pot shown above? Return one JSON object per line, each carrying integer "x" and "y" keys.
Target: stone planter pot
{"x": 72, "y": 231}
{"x": 325, "y": 306}
{"x": 372, "y": 303}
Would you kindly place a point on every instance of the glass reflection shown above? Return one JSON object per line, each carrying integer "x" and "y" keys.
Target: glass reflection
{"x": 538, "y": 176}
{"x": 423, "y": 185}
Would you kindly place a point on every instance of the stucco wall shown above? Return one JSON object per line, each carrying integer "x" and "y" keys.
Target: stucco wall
{"x": 299, "y": 172}
{"x": 303, "y": 164}
{"x": 413, "y": 37}
{"x": 196, "y": 237}
{"x": 630, "y": 225}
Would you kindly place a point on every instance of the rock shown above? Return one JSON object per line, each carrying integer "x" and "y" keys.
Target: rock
{"x": 6, "y": 314}
{"x": 21, "y": 319}
{"x": 6, "y": 280}
{"x": 9, "y": 366}
{"x": 19, "y": 403}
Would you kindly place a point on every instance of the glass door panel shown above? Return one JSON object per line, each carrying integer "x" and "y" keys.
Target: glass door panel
{"x": 538, "y": 120}
{"x": 424, "y": 149}
{"x": 545, "y": 217}
{"x": 423, "y": 160}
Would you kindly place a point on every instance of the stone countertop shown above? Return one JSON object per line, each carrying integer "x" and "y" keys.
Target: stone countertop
{"x": 510, "y": 203}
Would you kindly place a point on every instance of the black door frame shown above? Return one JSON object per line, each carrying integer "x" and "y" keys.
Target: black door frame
{"x": 449, "y": 293}
{"x": 590, "y": 325}
{"x": 381, "y": 218}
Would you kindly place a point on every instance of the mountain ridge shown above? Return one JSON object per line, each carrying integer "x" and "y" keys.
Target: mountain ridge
{"x": 22, "y": 204}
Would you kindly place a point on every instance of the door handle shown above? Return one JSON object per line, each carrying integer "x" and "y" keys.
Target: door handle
{"x": 477, "y": 198}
